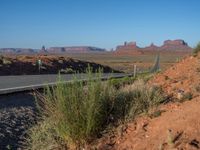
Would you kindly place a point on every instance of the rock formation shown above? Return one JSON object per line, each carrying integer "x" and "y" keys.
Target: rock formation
{"x": 75, "y": 49}
{"x": 17, "y": 50}
{"x": 176, "y": 45}
{"x": 168, "y": 46}
{"x": 128, "y": 48}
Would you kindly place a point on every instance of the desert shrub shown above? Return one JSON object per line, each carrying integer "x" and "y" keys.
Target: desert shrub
{"x": 120, "y": 82}
{"x": 135, "y": 99}
{"x": 117, "y": 83}
{"x": 74, "y": 114}
{"x": 44, "y": 137}
{"x": 196, "y": 49}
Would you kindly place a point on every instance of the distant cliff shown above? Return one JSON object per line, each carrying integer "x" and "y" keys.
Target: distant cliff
{"x": 176, "y": 45}
{"x": 75, "y": 49}
{"x": 128, "y": 48}
{"x": 168, "y": 46}
{"x": 43, "y": 50}
{"x": 17, "y": 51}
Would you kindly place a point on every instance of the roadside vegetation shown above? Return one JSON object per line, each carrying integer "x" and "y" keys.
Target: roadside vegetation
{"x": 196, "y": 49}
{"x": 73, "y": 115}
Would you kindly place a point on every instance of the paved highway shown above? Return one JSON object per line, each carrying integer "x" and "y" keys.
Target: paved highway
{"x": 11, "y": 84}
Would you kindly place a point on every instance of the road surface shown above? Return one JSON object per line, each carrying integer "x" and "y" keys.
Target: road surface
{"x": 11, "y": 84}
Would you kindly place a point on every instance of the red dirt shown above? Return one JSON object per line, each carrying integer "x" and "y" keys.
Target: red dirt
{"x": 184, "y": 76}
{"x": 179, "y": 123}
{"x": 178, "y": 126}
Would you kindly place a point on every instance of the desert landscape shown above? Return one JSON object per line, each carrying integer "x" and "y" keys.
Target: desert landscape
{"x": 99, "y": 75}
{"x": 177, "y": 86}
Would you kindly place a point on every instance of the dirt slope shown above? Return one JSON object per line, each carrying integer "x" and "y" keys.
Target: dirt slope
{"x": 178, "y": 126}
{"x": 183, "y": 77}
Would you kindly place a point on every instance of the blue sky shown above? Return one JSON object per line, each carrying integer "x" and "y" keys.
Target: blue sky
{"x": 101, "y": 23}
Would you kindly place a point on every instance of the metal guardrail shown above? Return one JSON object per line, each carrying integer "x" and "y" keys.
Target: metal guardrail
{"x": 41, "y": 86}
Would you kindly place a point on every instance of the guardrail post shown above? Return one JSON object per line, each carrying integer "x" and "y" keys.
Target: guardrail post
{"x": 135, "y": 71}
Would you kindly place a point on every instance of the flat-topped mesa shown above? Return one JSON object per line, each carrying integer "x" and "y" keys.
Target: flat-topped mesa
{"x": 75, "y": 49}
{"x": 128, "y": 48}
{"x": 17, "y": 51}
{"x": 175, "y": 45}
{"x": 175, "y": 42}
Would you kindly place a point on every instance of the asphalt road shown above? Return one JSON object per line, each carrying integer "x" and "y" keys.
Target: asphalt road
{"x": 11, "y": 84}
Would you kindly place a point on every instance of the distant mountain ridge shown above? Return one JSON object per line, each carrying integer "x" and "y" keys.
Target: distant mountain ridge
{"x": 75, "y": 49}
{"x": 72, "y": 49}
{"x": 127, "y": 48}
{"x": 168, "y": 46}
{"x": 18, "y": 50}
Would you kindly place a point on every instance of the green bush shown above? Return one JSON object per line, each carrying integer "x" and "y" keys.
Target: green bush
{"x": 78, "y": 112}
{"x": 136, "y": 99}
{"x": 117, "y": 83}
{"x": 74, "y": 114}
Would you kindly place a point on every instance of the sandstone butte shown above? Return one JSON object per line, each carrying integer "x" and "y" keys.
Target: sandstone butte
{"x": 168, "y": 46}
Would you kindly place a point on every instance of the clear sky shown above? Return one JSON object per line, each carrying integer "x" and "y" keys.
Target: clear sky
{"x": 101, "y": 23}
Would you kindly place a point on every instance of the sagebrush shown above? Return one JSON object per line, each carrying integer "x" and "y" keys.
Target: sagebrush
{"x": 72, "y": 115}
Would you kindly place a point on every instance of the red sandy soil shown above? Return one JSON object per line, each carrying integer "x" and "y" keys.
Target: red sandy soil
{"x": 178, "y": 126}
{"x": 184, "y": 76}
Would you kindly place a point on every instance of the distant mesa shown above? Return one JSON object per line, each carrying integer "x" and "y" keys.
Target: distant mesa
{"x": 168, "y": 46}
{"x": 17, "y": 50}
{"x": 75, "y": 49}
{"x": 43, "y": 50}
{"x": 128, "y": 48}
{"x": 176, "y": 45}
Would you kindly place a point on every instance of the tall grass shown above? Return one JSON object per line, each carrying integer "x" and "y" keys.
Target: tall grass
{"x": 74, "y": 114}
{"x": 135, "y": 99}
{"x": 78, "y": 112}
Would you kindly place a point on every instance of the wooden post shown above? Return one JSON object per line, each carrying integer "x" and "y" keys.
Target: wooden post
{"x": 135, "y": 71}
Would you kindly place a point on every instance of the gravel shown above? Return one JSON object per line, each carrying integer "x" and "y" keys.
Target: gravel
{"x": 17, "y": 115}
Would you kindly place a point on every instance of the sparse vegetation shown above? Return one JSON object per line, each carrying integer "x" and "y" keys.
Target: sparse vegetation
{"x": 74, "y": 114}
{"x": 135, "y": 99}
{"x": 196, "y": 49}
{"x": 117, "y": 83}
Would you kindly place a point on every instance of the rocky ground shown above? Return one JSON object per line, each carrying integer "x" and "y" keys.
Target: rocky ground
{"x": 17, "y": 114}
